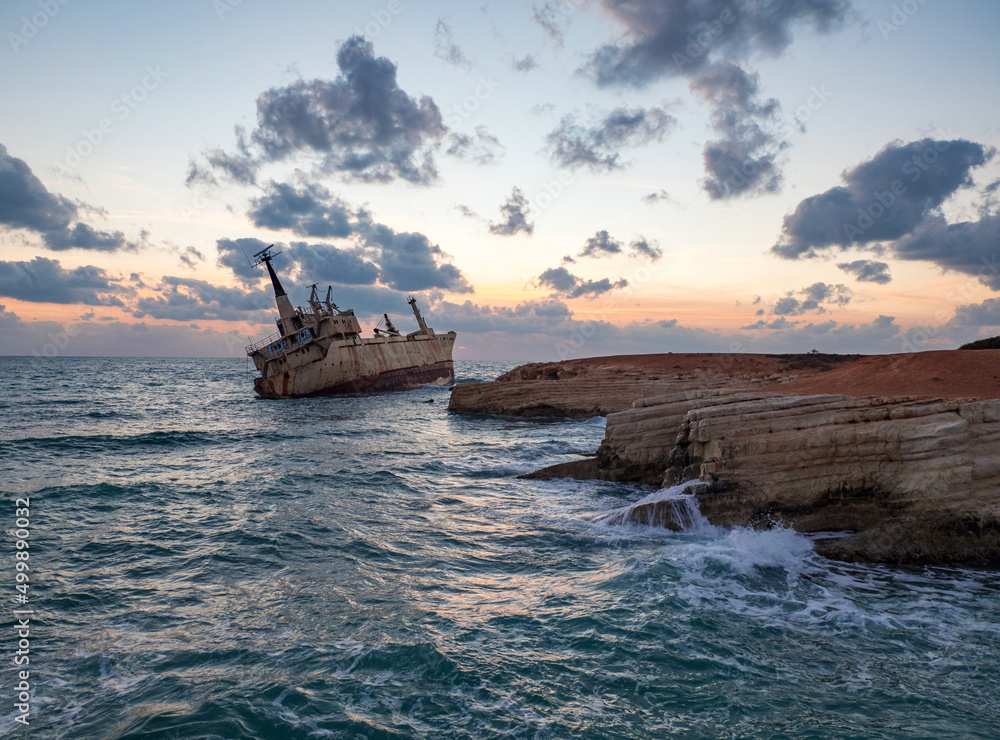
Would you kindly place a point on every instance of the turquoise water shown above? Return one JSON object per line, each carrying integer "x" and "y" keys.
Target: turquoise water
{"x": 208, "y": 565}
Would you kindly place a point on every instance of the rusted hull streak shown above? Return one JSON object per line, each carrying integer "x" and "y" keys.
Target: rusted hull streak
{"x": 403, "y": 379}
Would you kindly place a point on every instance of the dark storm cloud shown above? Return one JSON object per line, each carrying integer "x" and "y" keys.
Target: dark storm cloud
{"x": 867, "y": 271}
{"x": 601, "y": 244}
{"x": 44, "y": 280}
{"x": 883, "y": 198}
{"x": 409, "y": 261}
{"x": 643, "y": 247}
{"x": 25, "y": 203}
{"x": 598, "y": 145}
{"x": 325, "y": 263}
{"x": 360, "y": 124}
{"x": 812, "y": 298}
{"x": 483, "y": 148}
{"x": 563, "y": 282}
{"x": 971, "y": 247}
{"x": 744, "y": 160}
{"x": 405, "y": 261}
{"x": 677, "y": 37}
{"x": 514, "y": 213}
{"x": 445, "y": 47}
{"x": 310, "y": 210}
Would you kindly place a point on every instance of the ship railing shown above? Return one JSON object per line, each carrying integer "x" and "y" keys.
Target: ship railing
{"x": 263, "y": 342}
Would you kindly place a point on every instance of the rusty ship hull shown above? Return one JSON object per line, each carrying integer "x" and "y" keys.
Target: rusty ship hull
{"x": 319, "y": 351}
{"x": 374, "y": 365}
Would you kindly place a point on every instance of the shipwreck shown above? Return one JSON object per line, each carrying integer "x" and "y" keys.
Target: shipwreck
{"x": 320, "y": 351}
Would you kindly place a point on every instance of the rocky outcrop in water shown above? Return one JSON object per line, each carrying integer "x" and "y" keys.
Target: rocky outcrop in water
{"x": 914, "y": 480}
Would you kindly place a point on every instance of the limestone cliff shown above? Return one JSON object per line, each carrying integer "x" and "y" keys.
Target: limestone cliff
{"x": 916, "y": 480}
{"x": 909, "y": 477}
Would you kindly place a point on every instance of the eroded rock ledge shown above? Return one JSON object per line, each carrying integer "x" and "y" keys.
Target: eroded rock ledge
{"x": 913, "y": 478}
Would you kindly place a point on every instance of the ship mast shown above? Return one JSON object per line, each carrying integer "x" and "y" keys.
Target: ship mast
{"x": 285, "y": 309}
{"x": 416, "y": 312}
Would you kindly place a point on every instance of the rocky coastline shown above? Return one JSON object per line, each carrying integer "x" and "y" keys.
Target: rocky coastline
{"x": 892, "y": 459}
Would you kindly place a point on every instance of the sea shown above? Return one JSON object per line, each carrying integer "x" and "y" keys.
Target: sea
{"x": 205, "y": 564}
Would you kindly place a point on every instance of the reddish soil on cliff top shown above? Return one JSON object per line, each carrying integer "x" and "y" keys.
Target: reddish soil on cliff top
{"x": 944, "y": 374}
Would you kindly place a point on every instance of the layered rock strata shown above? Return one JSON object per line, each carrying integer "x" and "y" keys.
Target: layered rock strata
{"x": 900, "y": 453}
{"x": 912, "y": 480}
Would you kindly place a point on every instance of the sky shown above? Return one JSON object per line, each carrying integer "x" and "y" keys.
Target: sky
{"x": 550, "y": 179}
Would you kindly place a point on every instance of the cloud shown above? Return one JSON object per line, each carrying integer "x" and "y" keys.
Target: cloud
{"x": 547, "y": 18}
{"x": 657, "y": 197}
{"x": 881, "y": 335}
{"x": 812, "y": 298}
{"x": 310, "y": 210}
{"x": 240, "y": 168}
{"x": 779, "y": 323}
{"x": 409, "y": 261}
{"x": 666, "y": 38}
{"x": 405, "y": 260}
{"x": 445, "y": 47}
{"x": 531, "y": 317}
{"x": 117, "y": 339}
{"x": 44, "y": 280}
{"x": 643, "y": 247}
{"x": 325, "y": 263}
{"x": 884, "y": 198}
{"x": 515, "y": 216}
{"x": 360, "y": 125}
{"x": 598, "y": 145}
{"x": 524, "y": 64}
{"x": 188, "y": 299}
{"x": 190, "y": 256}
{"x": 483, "y": 148}
{"x": 560, "y": 280}
{"x": 600, "y": 245}
{"x": 25, "y": 203}
{"x": 744, "y": 160}
{"x": 977, "y": 315}
{"x": 867, "y": 271}
{"x": 236, "y": 253}
{"x": 970, "y": 247}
